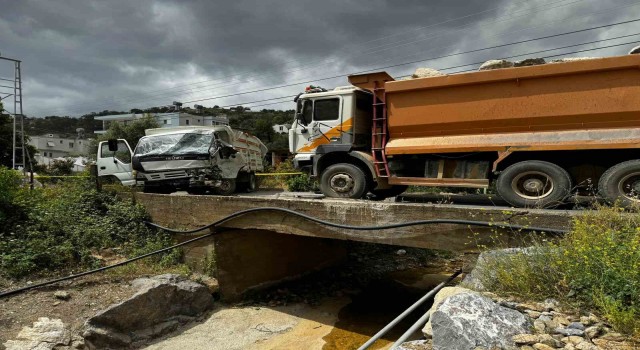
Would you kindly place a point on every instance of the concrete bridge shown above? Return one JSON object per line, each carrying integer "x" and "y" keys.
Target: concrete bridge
{"x": 263, "y": 248}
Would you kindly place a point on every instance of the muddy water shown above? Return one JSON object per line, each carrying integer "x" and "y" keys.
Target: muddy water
{"x": 379, "y": 303}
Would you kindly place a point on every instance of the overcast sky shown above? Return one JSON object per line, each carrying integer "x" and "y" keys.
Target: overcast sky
{"x": 81, "y": 56}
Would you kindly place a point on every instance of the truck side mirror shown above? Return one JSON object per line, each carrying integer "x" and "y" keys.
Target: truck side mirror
{"x": 300, "y": 119}
{"x": 113, "y": 145}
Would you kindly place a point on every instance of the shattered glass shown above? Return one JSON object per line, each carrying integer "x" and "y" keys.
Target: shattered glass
{"x": 174, "y": 144}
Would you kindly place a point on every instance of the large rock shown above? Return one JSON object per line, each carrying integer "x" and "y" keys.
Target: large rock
{"x": 426, "y": 73}
{"x": 635, "y": 50}
{"x": 496, "y": 64}
{"x": 46, "y": 334}
{"x": 468, "y": 320}
{"x": 161, "y": 304}
{"x": 443, "y": 294}
{"x": 529, "y": 62}
{"x": 483, "y": 274}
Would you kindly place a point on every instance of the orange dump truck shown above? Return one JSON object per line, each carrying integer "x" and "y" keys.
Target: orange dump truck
{"x": 539, "y": 132}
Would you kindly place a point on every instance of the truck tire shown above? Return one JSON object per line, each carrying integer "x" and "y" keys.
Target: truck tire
{"x": 343, "y": 180}
{"x": 621, "y": 183}
{"x": 252, "y": 184}
{"x": 389, "y": 192}
{"x": 227, "y": 187}
{"x": 534, "y": 183}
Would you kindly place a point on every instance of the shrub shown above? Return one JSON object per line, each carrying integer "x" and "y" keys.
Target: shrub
{"x": 62, "y": 227}
{"x": 301, "y": 183}
{"x": 295, "y": 183}
{"x": 596, "y": 265}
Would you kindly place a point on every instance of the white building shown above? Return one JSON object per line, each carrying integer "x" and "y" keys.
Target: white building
{"x": 281, "y": 128}
{"x": 52, "y": 146}
{"x": 165, "y": 120}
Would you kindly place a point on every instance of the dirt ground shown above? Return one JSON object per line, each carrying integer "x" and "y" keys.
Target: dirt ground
{"x": 306, "y": 310}
{"x": 88, "y": 295}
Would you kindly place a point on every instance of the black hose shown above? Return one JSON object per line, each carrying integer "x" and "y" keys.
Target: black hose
{"x": 288, "y": 211}
{"x": 368, "y": 228}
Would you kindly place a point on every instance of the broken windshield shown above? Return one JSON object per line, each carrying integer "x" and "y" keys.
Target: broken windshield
{"x": 174, "y": 144}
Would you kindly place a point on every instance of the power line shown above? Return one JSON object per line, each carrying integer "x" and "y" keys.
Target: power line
{"x": 411, "y": 62}
{"x": 351, "y": 47}
{"x": 478, "y": 63}
{"x": 302, "y": 67}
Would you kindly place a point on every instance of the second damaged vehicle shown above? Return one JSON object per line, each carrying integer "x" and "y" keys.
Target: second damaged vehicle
{"x": 199, "y": 160}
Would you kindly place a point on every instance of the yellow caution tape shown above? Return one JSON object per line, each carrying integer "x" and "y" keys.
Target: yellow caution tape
{"x": 63, "y": 176}
{"x": 278, "y": 174}
{"x": 55, "y": 176}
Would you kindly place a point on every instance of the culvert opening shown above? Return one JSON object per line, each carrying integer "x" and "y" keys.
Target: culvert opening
{"x": 374, "y": 284}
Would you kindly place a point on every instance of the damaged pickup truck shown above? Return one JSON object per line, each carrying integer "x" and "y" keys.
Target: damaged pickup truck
{"x": 199, "y": 160}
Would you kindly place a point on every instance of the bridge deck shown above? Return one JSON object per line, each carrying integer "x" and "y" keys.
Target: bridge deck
{"x": 190, "y": 211}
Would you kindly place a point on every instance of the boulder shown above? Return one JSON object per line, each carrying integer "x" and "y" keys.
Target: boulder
{"x": 161, "y": 304}
{"x": 443, "y": 294}
{"x": 635, "y": 50}
{"x": 468, "y": 320}
{"x": 483, "y": 272}
{"x": 45, "y": 334}
{"x": 529, "y": 62}
{"x": 426, "y": 73}
{"x": 496, "y": 64}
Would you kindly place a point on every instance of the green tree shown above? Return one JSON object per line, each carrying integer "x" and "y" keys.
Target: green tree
{"x": 132, "y": 132}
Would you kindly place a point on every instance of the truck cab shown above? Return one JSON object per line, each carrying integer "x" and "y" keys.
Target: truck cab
{"x": 194, "y": 159}
{"x": 330, "y": 128}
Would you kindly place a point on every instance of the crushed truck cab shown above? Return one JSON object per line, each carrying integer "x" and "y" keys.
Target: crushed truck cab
{"x": 198, "y": 160}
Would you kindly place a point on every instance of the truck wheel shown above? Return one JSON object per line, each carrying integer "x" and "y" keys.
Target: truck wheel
{"x": 534, "y": 183}
{"x": 227, "y": 187}
{"x": 621, "y": 183}
{"x": 343, "y": 181}
{"x": 252, "y": 183}
{"x": 389, "y": 192}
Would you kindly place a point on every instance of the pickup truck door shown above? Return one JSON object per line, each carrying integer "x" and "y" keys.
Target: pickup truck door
{"x": 116, "y": 163}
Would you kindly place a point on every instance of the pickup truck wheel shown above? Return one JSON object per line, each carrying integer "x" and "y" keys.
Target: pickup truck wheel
{"x": 621, "y": 183}
{"x": 534, "y": 183}
{"x": 227, "y": 187}
{"x": 389, "y": 192}
{"x": 252, "y": 183}
{"x": 343, "y": 181}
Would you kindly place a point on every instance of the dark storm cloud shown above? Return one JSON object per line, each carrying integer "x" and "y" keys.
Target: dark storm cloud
{"x": 81, "y": 55}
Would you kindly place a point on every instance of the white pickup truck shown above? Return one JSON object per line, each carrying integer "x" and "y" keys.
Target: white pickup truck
{"x": 198, "y": 159}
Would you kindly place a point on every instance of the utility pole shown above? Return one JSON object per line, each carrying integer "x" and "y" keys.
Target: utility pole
{"x": 19, "y": 148}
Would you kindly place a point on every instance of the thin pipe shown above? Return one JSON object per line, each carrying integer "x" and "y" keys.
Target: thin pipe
{"x": 419, "y": 324}
{"x": 406, "y": 312}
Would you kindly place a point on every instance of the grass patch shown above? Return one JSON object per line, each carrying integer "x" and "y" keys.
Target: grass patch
{"x": 596, "y": 266}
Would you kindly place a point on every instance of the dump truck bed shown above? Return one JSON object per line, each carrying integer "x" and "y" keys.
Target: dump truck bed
{"x": 548, "y": 106}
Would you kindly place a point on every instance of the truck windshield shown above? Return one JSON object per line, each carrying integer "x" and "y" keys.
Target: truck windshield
{"x": 174, "y": 144}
